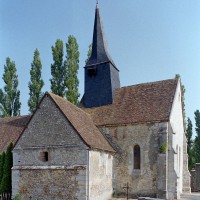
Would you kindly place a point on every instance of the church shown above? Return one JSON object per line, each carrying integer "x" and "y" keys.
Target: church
{"x": 118, "y": 136}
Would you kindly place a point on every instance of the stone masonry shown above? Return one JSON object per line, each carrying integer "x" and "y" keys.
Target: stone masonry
{"x": 51, "y": 161}
{"x": 143, "y": 182}
{"x": 195, "y": 178}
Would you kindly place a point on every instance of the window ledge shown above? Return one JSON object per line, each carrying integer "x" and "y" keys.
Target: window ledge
{"x": 137, "y": 172}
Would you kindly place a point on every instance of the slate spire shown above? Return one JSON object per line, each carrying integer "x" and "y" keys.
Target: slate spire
{"x": 101, "y": 74}
{"x": 99, "y": 47}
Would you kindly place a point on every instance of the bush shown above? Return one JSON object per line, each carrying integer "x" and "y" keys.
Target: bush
{"x": 17, "y": 197}
{"x": 163, "y": 148}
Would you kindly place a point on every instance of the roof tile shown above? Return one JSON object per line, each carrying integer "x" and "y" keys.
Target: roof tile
{"x": 147, "y": 102}
{"x": 83, "y": 123}
{"x": 10, "y": 130}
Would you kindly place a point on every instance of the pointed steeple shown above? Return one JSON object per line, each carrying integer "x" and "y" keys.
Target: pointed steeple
{"x": 101, "y": 74}
{"x": 99, "y": 48}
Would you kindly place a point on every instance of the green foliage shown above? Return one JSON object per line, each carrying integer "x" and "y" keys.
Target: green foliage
{"x": 2, "y": 161}
{"x": 6, "y": 184}
{"x": 163, "y": 148}
{"x": 197, "y": 138}
{"x": 197, "y": 122}
{"x": 72, "y": 66}
{"x": 58, "y": 70}
{"x": 10, "y": 98}
{"x": 36, "y": 83}
{"x": 189, "y": 133}
{"x": 17, "y": 197}
{"x": 89, "y": 53}
{"x": 191, "y": 159}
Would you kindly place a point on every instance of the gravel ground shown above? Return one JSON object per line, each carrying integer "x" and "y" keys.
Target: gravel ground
{"x": 121, "y": 199}
{"x": 192, "y": 196}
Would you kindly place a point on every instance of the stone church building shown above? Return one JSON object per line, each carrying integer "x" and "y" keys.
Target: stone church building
{"x": 117, "y": 135}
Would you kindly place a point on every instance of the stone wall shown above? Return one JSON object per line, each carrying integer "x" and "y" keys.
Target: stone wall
{"x": 162, "y": 163}
{"x": 50, "y": 159}
{"x": 50, "y": 184}
{"x": 143, "y": 181}
{"x": 178, "y": 146}
{"x": 195, "y": 178}
{"x": 172, "y": 167}
{"x": 49, "y": 127}
{"x": 186, "y": 173}
{"x": 100, "y": 175}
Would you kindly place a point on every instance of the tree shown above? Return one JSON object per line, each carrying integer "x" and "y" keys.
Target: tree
{"x": 2, "y": 161}
{"x": 58, "y": 71}
{"x": 190, "y": 151}
{"x": 36, "y": 83}
{"x": 72, "y": 66}
{"x": 89, "y": 53}
{"x": 189, "y": 133}
{"x": 197, "y": 122}
{"x": 10, "y": 98}
{"x": 197, "y": 138}
{"x": 6, "y": 184}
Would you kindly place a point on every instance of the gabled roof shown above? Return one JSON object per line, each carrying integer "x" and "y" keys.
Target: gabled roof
{"x": 100, "y": 52}
{"x": 147, "y": 102}
{"x": 10, "y": 130}
{"x": 82, "y": 123}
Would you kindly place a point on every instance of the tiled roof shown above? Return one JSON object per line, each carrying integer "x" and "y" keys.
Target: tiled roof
{"x": 10, "y": 130}
{"x": 83, "y": 124}
{"x": 148, "y": 102}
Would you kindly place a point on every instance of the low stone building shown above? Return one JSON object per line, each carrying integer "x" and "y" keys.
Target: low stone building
{"x": 195, "y": 178}
{"x": 117, "y": 135}
{"x": 62, "y": 155}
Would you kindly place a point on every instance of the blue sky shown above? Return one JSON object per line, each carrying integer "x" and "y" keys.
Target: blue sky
{"x": 149, "y": 40}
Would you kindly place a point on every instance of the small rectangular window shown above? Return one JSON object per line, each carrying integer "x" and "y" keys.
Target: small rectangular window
{"x": 44, "y": 156}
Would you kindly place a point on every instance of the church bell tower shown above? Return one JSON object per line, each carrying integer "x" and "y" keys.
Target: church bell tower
{"x": 101, "y": 74}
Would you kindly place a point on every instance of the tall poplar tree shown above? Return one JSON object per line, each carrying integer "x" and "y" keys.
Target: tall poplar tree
{"x": 89, "y": 53}
{"x": 197, "y": 138}
{"x": 190, "y": 150}
{"x": 10, "y": 98}
{"x": 58, "y": 71}
{"x": 72, "y": 66}
{"x": 36, "y": 83}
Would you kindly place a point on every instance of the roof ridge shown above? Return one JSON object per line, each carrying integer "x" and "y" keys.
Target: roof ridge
{"x": 145, "y": 102}
{"x": 147, "y": 83}
{"x": 14, "y": 117}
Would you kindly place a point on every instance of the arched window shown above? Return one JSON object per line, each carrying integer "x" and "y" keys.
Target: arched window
{"x": 136, "y": 157}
